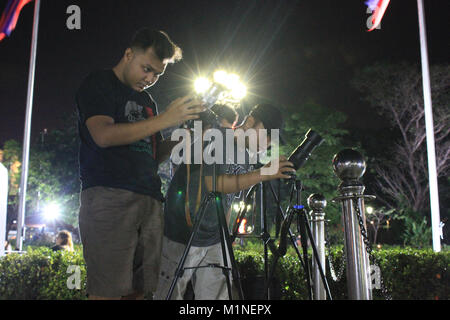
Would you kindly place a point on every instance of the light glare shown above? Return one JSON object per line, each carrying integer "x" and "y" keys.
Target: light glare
{"x": 52, "y": 211}
{"x": 220, "y": 76}
{"x": 201, "y": 85}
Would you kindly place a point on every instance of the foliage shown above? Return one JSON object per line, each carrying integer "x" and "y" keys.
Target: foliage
{"x": 52, "y": 172}
{"x": 40, "y": 274}
{"x": 317, "y": 174}
{"x": 395, "y": 92}
{"x": 377, "y": 218}
{"x": 61, "y": 146}
{"x": 12, "y": 152}
{"x": 417, "y": 233}
{"x": 40, "y": 240}
{"x": 407, "y": 273}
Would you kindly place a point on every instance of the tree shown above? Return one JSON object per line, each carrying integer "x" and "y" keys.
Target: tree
{"x": 60, "y": 169}
{"x": 376, "y": 218}
{"x": 317, "y": 174}
{"x": 52, "y": 173}
{"x": 395, "y": 90}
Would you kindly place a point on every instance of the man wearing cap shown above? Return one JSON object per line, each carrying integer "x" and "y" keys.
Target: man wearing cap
{"x": 183, "y": 198}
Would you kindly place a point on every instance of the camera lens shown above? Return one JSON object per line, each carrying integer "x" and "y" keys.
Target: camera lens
{"x": 301, "y": 154}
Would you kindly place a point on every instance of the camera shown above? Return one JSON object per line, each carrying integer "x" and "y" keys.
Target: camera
{"x": 301, "y": 154}
{"x": 208, "y": 118}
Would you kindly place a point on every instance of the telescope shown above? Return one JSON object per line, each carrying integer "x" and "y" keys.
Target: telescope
{"x": 301, "y": 154}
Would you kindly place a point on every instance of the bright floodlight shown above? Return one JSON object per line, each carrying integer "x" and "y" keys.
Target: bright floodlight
{"x": 51, "y": 211}
{"x": 232, "y": 82}
{"x": 239, "y": 91}
{"x": 220, "y": 76}
{"x": 369, "y": 210}
{"x": 201, "y": 85}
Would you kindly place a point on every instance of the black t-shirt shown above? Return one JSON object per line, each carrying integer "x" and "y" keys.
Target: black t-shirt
{"x": 175, "y": 221}
{"x": 57, "y": 247}
{"x": 132, "y": 167}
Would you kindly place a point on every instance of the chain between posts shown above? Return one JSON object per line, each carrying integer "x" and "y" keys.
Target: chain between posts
{"x": 368, "y": 246}
{"x": 338, "y": 276}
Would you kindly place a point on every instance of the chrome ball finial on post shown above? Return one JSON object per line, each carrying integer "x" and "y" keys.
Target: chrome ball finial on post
{"x": 349, "y": 165}
{"x": 317, "y": 204}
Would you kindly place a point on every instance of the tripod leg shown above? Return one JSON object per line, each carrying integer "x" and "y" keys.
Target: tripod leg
{"x": 283, "y": 216}
{"x": 272, "y": 273}
{"x": 264, "y": 233}
{"x": 179, "y": 270}
{"x": 226, "y": 271}
{"x": 227, "y": 246}
{"x": 302, "y": 229}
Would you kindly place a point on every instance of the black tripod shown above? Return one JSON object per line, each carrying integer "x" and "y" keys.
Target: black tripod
{"x": 225, "y": 240}
{"x": 304, "y": 229}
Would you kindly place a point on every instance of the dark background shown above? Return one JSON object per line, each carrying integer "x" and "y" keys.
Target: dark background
{"x": 286, "y": 51}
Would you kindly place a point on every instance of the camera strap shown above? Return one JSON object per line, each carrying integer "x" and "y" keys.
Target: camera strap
{"x": 199, "y": 192}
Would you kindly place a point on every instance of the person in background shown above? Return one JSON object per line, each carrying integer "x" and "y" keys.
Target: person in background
{"x": 63, "y": 241}
{"x": 192, "y": 183}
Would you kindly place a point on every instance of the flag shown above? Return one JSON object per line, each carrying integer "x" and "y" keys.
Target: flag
{"x": 10, "y": 16}
{"x": 379, "y": 6}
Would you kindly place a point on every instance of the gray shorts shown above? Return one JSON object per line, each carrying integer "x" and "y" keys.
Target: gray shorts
{"x": 121, "y": 232}
{"x": 208, "y": 283}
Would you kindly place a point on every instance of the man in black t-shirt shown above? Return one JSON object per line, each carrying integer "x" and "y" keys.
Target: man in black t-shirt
{"x": 121, "y": 219}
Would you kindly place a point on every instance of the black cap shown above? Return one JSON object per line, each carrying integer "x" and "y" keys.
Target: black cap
{"x": 270, "y": 116}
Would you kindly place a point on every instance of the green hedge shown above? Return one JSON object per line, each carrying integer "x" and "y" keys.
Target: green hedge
{"x": 41, "y": 274}
{"x": 407, "y": 273}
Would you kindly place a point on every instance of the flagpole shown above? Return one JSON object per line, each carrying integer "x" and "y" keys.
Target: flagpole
{"x": 27, "y": 131}
{"x": 431, "y": 153}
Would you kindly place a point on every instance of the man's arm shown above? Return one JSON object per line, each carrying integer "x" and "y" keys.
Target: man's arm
{"x": 106, "y": 133}
{"x": 229, "y": 183}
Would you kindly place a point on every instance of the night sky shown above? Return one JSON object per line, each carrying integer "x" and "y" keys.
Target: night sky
{"x": 286, "y": 51}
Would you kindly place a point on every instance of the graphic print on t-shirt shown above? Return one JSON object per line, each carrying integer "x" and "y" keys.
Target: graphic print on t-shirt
{"x": 134, "y": 113}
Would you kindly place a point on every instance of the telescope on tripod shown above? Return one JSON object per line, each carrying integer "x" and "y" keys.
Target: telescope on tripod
{"x": 296, "y": 210}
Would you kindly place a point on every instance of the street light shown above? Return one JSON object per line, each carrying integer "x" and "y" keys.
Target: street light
{"x": 51, "y": 211}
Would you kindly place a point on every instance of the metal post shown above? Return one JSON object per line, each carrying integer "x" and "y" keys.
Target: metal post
{"x": 317, "y": 204}
{"x": 431, "y": 153}
{"x": 3, "y": 206}
{"x": 27, "y": 131}
{"x": 350, "y": 166}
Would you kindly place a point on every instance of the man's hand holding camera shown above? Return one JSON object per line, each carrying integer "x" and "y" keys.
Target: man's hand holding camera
{"x": 181, "y": 110}
{"x": 281, "y": 168}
